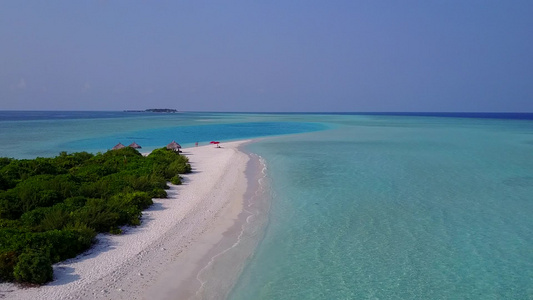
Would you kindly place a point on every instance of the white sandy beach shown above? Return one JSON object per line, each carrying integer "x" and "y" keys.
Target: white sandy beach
{"x": 176, "y": 234}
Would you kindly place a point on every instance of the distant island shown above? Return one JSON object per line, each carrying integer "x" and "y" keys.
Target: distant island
{"x": 156, "y": 110}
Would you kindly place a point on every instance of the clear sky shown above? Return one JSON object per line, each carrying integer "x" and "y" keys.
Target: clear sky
{"x": 290, "y": 55}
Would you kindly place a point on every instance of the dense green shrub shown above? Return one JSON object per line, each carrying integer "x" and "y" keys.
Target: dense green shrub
{"x": 18, "y": 170}
{"x": 37, "y": 191}
{"x": 158, "y": 182}
{"x": 68, "y": 161}
{"x": 140, "y": 183}
{"x": 4, "y": 183}
{"x": 177, "y": 167}
{"x": 10, "y": 206}
{"x": 65, "y": 185}
{"x": 158, "y": 193}
{"x": 56, "y": 218}
{"x": 4, "y": 161}
{"x": 84, "y": 234}
{"x": 176, "y": 180}
{"x": 97, "y": 215}
{"x": 5, "y": 223}
{"x": 92, "y": 172}
{"x": 74, "y": 203}
{"x": 52, "y": 208}
{"x": 169, "y": 163}
{"x": 63, "y": 244}
{"x": 57, "y": 244}
{"x": 141, "y": 200}
{"x": 11, "y": 239}
{"x": 33, "y": 267}
{"x": 8, "y": 260}
{"x": 33, "y": 218}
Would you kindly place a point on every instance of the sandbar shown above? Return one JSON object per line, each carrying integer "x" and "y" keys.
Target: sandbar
{"x": 178, "y": 231}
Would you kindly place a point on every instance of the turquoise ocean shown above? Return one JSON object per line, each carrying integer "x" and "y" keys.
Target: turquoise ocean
{"x": 362, "y": 206}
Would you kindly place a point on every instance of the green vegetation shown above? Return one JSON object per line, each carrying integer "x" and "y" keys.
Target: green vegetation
{"x": 52, "y": 208}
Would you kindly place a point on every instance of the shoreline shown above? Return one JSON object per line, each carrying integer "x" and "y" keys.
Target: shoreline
{"x": 216, "y": 261}
{"x": 172, "y": 245}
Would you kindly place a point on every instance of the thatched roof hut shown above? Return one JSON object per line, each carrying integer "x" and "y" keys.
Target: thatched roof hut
{"x": 118, "y": 146}
{"x": 174, "y": 146}
{"x": 134, "y": 146}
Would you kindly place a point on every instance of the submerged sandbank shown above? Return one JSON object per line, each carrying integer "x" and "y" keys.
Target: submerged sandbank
{"x": 173, "y": 247}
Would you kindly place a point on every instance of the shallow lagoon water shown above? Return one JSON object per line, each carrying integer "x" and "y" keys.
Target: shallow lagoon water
{"x": 363, "y": 206}
{"x": 32, "y": 134}
{"x": 398, "y": 208}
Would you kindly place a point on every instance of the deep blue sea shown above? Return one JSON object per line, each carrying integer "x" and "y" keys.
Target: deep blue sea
{"x": 363, "y": 206}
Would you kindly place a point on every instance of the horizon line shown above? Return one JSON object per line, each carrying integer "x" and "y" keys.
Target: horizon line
{"x": 276, "y": 112}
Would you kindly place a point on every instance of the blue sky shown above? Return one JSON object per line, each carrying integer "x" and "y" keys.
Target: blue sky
{"x": 469, "y": 55}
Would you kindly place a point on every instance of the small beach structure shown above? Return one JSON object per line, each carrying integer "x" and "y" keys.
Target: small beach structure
{"x": 134, "y": 146}
{"x": 118, "y": 146}
{"x": 174, "y": 146}
{"x": 215, "y": 143}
